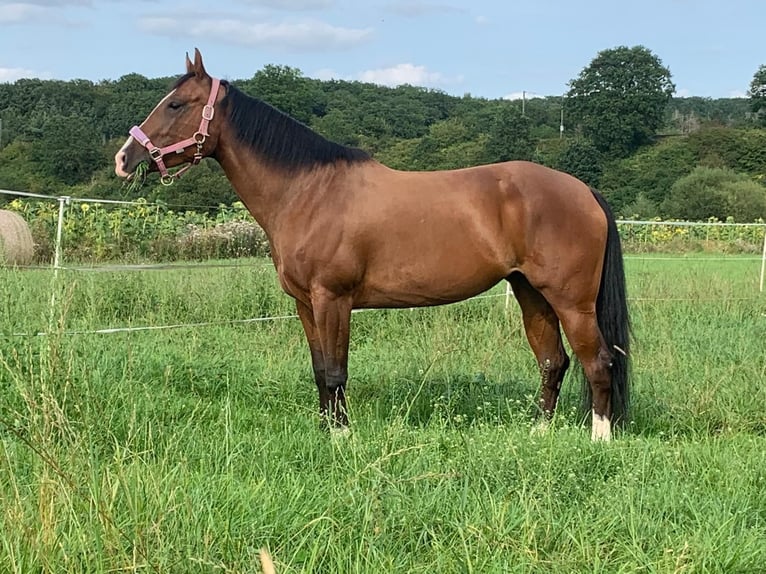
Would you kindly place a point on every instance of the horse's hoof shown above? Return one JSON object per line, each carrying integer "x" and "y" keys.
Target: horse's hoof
{"x": 602, "y": 428}
{"x": 541, "y": 427}
{"x": 340, "y": 432}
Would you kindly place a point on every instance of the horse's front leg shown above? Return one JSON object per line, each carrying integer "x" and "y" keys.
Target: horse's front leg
{"x": 306, "y": 315}
{"x": 332, "y": 316}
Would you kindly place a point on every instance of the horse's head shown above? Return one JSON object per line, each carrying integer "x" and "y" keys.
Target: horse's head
{"x": 180, "y": 128}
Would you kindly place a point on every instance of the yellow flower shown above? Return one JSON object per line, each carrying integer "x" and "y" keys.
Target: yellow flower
{"x": 84, "y": 207}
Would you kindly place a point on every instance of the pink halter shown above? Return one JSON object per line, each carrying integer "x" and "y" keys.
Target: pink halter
{"x": 157, "y": 154}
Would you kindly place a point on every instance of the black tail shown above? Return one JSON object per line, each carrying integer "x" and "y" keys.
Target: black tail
{"x": 613, "y": 319}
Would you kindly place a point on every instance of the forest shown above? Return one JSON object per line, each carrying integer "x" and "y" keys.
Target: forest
{"x": 651, "y": 154}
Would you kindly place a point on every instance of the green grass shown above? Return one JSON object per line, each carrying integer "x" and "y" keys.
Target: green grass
{"x": 186, "y": 450}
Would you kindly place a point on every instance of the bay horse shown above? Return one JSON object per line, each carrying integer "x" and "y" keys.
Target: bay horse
{"x": 347, "y": 232}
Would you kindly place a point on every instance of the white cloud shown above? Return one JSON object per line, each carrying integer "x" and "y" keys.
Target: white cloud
{"x": 306, "y": 35}
{"x": 14, "y": 13}
{"x": 682, "y": 93}
{"x": 392, "y": 76}
{"x": 737, "y": 94}
{"x": 293, "y": 5}
{"x": 38, "y": 10}
{"x": 13, "y": 74}
{"x": 51, "y": 3}
{"x": 417, "y": 8}
{"x": 522, "y": 95}
{"x": 326, "y": 74}
{"x": 407, "y": 74}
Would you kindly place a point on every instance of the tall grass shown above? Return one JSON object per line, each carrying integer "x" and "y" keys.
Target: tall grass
{"x": 186, "y": 450}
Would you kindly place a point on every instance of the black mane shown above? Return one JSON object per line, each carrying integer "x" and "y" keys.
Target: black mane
{"x": 279, "y": 138}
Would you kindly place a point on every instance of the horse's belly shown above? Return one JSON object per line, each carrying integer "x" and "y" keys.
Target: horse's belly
{"x": 424, "y": 286}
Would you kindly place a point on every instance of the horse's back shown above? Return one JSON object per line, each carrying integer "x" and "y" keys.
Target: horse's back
{"x": 511, "y": 208}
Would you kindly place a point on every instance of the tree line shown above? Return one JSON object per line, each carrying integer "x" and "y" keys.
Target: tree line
{"x": 651, "y": 154}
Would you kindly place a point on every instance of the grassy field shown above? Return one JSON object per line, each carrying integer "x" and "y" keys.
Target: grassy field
{"x": 188, "y": 449}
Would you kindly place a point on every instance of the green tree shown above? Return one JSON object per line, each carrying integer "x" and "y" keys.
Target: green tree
{"x": 288, "y": 90}
{"x": 716, "y": 192}
{"x": 641, "y": 208}
{"x": 650, "y": 172}
{"x": 335, "y": 126}
{"x": 69, "y": 148}
{"x": 581, "y": 159}
{"x": 619, "y": 99}
{"x": 743, "y": 150}
{"x": 508, "y": 135}
{"x": 448, "y": 145}
{"x": 128, "y": 101}
{"x": 20, "y": 172}
{"x": 685, "y": 115}
{"x": 757, "y": 94}
{"x": 747, "y": 200}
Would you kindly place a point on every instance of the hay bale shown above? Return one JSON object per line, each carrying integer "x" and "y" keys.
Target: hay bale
{"x": 16, "y": 245}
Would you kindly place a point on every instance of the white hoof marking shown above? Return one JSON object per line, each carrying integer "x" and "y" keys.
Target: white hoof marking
{"x": 540, "y": 427}
{"x": 340, "y": 432}
{"x": 602, "y": 428}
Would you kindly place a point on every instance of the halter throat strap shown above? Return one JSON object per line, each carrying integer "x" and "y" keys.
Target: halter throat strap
{"x": 198, "y": 139}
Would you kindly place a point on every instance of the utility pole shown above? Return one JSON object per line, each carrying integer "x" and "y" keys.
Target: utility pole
{"x": 523, "y": 102}
{"x": 561, "y": 124}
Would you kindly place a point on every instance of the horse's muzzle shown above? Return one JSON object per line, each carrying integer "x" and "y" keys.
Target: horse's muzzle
{"x": 127, "y": 159}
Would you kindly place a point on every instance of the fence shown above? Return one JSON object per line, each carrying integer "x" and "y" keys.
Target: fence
{"x": 637, "y": 236}
{"x": 95, "y": 231}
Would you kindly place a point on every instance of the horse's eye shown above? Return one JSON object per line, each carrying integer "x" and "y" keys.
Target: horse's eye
{"x": 175, "y": 105}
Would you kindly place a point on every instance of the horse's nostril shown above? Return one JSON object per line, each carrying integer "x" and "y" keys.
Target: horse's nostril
{"x": 120, "y": 163}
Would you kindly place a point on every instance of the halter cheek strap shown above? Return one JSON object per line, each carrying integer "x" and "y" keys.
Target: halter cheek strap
{"x": 158, "y": 153}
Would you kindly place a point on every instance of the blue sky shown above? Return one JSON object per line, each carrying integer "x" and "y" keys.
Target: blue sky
{"x": 488, "y": 48}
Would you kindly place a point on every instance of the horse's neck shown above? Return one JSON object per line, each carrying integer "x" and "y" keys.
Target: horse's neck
{"x": 260, "y": 186}
{"x": 273, "y": 194}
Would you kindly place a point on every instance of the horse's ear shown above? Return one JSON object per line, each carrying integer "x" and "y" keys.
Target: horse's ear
{"x": 189, "y": 65}
{"x": 198, "y": 68}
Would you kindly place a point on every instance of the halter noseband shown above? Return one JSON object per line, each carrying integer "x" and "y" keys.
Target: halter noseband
{"x": 158, "y": 153}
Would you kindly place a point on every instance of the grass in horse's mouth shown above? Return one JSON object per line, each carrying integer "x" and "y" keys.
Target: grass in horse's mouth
{"x": 136, "y": 180}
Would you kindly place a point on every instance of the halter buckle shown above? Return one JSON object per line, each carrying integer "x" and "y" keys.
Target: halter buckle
{"x": 208, "y": 112}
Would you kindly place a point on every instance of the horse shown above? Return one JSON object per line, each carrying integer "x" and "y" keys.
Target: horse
{"x": 347, "y": 232}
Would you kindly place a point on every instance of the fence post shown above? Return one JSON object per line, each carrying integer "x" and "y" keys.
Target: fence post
{"x": 763, "y": 259}
{"x": 63, "y": 201}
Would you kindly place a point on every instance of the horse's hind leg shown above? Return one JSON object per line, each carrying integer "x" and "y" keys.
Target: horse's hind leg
{"x": 588, "y": 344}
{"x": 542, "y": 327}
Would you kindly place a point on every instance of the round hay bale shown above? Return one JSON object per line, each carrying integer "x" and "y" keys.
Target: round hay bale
{"x": 16, "y": 245}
